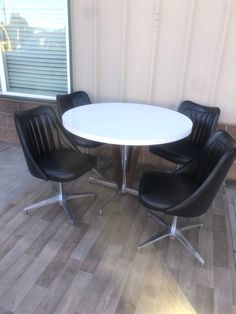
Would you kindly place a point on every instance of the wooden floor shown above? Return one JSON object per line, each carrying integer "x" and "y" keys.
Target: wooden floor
{"x": 49, "y": 266}
{"x": 231, "y": 198}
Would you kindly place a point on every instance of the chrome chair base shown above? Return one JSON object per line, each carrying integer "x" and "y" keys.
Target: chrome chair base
{"x": 173, "y": 232}
{"x": 62, "y": 199}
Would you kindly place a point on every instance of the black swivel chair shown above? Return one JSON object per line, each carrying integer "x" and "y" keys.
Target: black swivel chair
{"x": 189, "y": 191}
{"x": 51, "y": 154}
{"x": 204, "y": 120}
{"x": 73, "y": 100}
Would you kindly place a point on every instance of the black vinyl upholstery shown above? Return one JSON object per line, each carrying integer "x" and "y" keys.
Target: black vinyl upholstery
{"x": 73, "y": 100}
{"x": 189, "y": 191}
{"x": 204, "y": 120}
{"x": 49, "y": 152}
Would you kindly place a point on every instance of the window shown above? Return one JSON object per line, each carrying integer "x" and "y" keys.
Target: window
{"x": 34, "y": 58}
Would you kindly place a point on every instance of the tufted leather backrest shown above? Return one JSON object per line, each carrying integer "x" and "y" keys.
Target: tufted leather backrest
{"x": 73, "y": 100}
{"x": 40, "y": 133}
{"x": 204, "y": 120}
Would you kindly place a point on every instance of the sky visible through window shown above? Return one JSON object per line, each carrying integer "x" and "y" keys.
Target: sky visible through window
{"x": 27, "y": 9}
{"x": 33, "y": 44}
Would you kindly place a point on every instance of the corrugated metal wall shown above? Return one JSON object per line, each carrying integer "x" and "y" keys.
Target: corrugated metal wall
{"x": 156, "y": 51}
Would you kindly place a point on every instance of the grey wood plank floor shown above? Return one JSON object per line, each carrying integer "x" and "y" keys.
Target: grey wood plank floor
{"x": 49, "y": 266}
{"x": 231, "y": 198}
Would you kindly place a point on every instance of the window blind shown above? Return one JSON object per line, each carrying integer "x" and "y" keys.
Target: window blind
{"x": 35, "y": 55}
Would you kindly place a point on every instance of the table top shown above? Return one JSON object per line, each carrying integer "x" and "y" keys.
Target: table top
{"x": 127, "y": 123}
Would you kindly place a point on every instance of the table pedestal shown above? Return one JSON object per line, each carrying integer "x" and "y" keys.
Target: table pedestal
{"x": 125, "y": 160}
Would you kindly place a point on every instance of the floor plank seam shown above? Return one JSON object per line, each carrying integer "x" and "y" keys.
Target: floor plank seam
{"x": 163, "y": 278}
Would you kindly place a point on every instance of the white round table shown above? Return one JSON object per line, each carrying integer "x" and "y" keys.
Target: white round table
{"x": 126, "y": 124}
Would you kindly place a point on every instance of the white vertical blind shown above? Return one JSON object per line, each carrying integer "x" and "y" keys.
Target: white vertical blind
{"x": 34, "y": 50}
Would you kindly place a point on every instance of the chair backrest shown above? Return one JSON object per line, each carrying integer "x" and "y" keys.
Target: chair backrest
{"x": 204, "y": 120}
{"x": 69, "y": 101}
{"x": 40, "y": 133}
{"x": 209, "y": 169}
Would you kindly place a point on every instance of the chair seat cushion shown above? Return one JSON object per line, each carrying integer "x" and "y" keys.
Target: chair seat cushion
{"x": 160, "y": 191}
{"x": 62, "y": 166}
{"x": 179, "y": 152}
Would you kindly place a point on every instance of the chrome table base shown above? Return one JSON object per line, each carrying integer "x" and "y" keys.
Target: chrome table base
{"x": 113, "y": 185}
{"x": 62, "y": 199}
{"x": 173, "y": 232}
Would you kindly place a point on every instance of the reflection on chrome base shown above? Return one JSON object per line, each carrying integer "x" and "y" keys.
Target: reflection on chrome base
{"x": 62, "y": 199}
{"x": 173, "y": 232}
{"x": 124, "y": 189}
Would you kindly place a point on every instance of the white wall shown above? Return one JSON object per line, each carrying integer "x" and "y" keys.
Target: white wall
{"x": 156, "y": 51}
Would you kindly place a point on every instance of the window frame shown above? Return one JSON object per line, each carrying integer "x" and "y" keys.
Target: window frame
{"x": 3, "y": 74}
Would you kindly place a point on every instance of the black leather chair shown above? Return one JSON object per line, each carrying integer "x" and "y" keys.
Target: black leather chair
{"x": 51, "y": 154}
{"x": 73, "y": 100}
{"x": 189, "y": 191}
{"x": 204, "y": 120}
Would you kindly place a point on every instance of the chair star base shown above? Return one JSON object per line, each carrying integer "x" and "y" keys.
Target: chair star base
{"x": 173, "y": 232}
{"x": 62, "y": 199}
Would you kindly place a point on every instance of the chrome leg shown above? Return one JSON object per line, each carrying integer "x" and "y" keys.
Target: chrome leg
{"x": 105, "y": 183}
{"x": 113, "y": 185}
{"x": 191, "y": 227}
{"x": 189, "y": 246}
{"x": 155, "y": 238}
{"x": 97, "y": 173}
{"x": 173, "y": 228}
{"x": 90, "y": 180}
{"x": 108, "y": 199}
{"x": 63, "y": 203}
{"x": 49, "y": 201}
{"x": 124, "y": 158}
{"x": 173, "y": 232}
{"x": 131, "y": 191}
{"x": 79, "y": 195}
{"x": 94, "y": 170}
{"x": 68, "y": 212}
{"x": 60, "y": 198}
